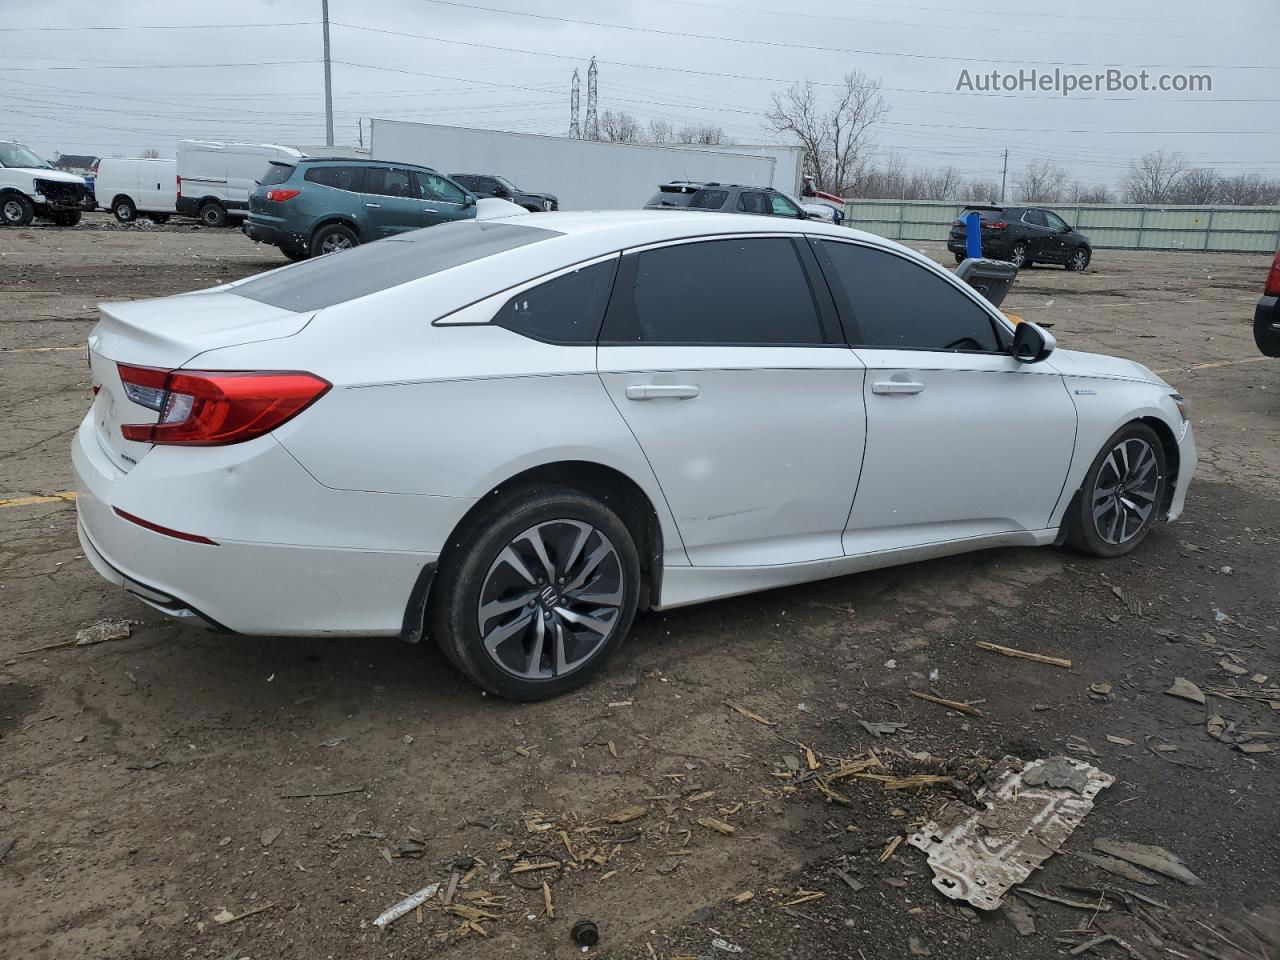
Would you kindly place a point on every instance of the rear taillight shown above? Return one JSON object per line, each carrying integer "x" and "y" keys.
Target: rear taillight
{"x": 1272, "y": 288}
{"x": 280, "y": 196}
{"x": 995, "y": 225}
{"x": 216, "y": 407}
{"x": 179, "y": 180}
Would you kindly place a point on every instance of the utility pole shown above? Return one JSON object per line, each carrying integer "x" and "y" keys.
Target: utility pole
{"x": 328, "y": 78}
{"x": 1004, "y": 175}
{"x": 360, "y": 131}
{"x": 575, "y": 127}
{"x": 593, "y": 123}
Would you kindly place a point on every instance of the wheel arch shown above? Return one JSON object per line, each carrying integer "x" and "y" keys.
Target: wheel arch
{"x": 607, "y": 484}
{"x": 1172, "y": 458}
{"x": 340, "y": 219}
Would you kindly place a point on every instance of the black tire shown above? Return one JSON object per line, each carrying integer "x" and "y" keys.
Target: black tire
{"x": 960, "y": 257}
{"x": 333, "y": 238}
{"x": 16, "y": 210}
{"x": 1078, "y": 259}
{"x": 65, "y": 218}
{"x": 124, "y": 210}
{"x": 294, "y": 253}
{"x": 1083, "y": 527}
{"x": 1018, "y": 255}
{"x": 472, "y": 565}
{"x": 213, "y": 214}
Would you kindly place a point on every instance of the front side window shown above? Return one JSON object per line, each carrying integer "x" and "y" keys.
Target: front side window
{"x": 436, "y": 187}
{"x": 388, "y": 182}
{"x": 896, "y": 304}
{"x": 1055, "y": 222}
{"x": 567, "y": 309}
{"x": 752, "y": 202}
{"x": 17, "y": 155}
{"x": 780, "y": 206}
{"x": 751, "y": 291}
{"x": 340, "y": 178}
{"x": 1034, "y": 217}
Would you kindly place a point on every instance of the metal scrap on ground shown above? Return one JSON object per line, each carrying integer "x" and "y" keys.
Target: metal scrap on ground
{"x": 1153, "y": 858}
{"x": 978, "y": 856}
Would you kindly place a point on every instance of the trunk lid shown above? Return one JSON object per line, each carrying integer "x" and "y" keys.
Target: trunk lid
{"x": 168, "y": 333}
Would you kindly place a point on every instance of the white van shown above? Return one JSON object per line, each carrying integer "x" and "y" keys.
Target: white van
{"x": 129, "y": 186}
{"x": 215, "y": 178}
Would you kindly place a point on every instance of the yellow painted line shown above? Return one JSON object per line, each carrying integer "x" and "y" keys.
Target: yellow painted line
{"x": 1211, "y": 366}
{"x": 39, "y": 349}
{"x": 65, "y": 497}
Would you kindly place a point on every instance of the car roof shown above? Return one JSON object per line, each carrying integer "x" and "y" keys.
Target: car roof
{"x": 362, "y": 161}
{"x": 716, "y": 185}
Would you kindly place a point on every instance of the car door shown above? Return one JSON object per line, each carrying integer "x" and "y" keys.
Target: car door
{"x": 1061, "y": 234}
{"x": 391, "y": 203}
{"x": 441, "y": 200}
{"x": 724, "y": 358}
{"x": 962, "y": 440}
{"x": 1041, "y": 243}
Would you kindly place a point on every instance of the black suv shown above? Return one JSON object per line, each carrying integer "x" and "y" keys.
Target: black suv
{"x": 726, "y": 198}
{"x": 491, "y": 185}
{"x": 1023, "y": 236}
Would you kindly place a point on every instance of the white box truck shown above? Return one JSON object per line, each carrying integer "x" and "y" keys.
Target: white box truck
{"x": 214, "y": 179}
{"x": 129, "y": 186}
{"x": 583, "y": 174}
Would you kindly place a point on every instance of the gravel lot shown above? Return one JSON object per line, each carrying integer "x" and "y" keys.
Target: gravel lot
{"x": 147, "y": 780}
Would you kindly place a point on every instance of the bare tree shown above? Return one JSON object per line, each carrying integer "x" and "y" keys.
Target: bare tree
{"x": 834, "y": 135}
{"x": 1152, "y": 177}
{"x": 1250, "y": 190}
{"x": 1040, "y": 182}
{"x": 707, "y": 134}
{"x": 661, "y": 131}
{"x": 619, "y": 126}
{"x": 978, "y": 190}
{"x": 151, "y": 153}
{"x": 1198, "y": 185}
{"x": 942, "y": 184}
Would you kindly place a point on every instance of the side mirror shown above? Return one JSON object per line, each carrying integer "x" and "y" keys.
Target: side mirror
{"x": 1064, "y": 229}
{"x": 1031, "y": 343}
{"x": 469, "y": 201}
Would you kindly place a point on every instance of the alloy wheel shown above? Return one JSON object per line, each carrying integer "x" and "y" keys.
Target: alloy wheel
{"x": 551, "y": 599}
{"x": 334, "y": 243}
{"x": 1079, "y": 260}
{"x": 1125, "y": 492}
{"x": 1019, "y": 256}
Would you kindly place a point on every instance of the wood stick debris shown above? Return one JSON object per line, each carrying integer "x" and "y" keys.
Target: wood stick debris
{"x": 749, "y": 714}
{"x": 953, "y": 704}
{"x": 719, "y": 826}
{"x": 340, "y": 791}
{"x": 1023, "y": 654}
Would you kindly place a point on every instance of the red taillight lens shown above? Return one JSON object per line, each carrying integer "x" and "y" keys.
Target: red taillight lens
{"x": 179, "y": 180}
{"x": 280, "y": 196}
{"x": 1273, "y": 279}
{"x": 213, "y": 407}
{"x": 995, "y": 225}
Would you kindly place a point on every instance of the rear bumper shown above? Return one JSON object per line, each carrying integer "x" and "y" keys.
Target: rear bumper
{"x": 1266, "y": 326}
{"x": 995, "y": 249}
{"x": 262, "y": 232}
{"x": 300, "y": 583}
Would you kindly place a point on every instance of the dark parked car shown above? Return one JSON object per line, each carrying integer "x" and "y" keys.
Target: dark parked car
{"x": 1024, "y": 236}
{"x": 1266, "y": 317}
{"x": 312, "y": 206}
{"x": 485, "y": 185}
{"x": 727, "y": 198}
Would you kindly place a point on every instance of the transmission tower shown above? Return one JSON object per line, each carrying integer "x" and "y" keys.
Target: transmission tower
{"x": 593, "y": 123}
{"x": 575, "y": 128}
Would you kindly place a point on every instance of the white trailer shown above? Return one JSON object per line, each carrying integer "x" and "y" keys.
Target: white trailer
{"x": 583, "y": 174}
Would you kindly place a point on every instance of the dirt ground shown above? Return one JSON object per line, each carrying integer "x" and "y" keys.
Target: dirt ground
{"x": 152, "y": 783}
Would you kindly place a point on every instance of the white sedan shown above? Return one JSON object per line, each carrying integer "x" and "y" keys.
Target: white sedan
{"x": 511, "y": 434}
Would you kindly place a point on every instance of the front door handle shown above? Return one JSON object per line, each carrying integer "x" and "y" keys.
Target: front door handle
{"x": 662, "y": 391}
{"x": 373, "y": 206}
{"x": 897, "y": 386}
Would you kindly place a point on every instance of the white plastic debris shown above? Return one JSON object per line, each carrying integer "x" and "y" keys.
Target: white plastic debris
{"x": 411, "y": 902}
{"x": 721, "y": 944}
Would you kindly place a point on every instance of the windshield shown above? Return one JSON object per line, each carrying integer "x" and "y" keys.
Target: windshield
{"x": 508, "y": 184}
{"x": 17, "y": 155}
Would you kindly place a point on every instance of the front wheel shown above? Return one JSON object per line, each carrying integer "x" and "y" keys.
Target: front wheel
{"x": 960, "y": 258}
{"x": 538, "y": 592}
{"x": 1121, "y": 494}
{"x": 1078, "y": 259}
{"x": 65, "y": 218}
{"x": 16, "y": 210}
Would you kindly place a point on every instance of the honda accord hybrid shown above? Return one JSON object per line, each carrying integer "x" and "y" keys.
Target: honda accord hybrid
{"x": 511, "y": 434}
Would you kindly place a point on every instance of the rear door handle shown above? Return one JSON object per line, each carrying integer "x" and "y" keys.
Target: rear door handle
{"x": 373, "y": 206}
{"x": 897, "y": 386}
{"x": 662, "y": 391}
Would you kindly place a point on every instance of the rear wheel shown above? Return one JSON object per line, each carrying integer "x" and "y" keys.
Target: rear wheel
{"x": 541, "y": 590}
{"x": 213, "y": 214}
{"x": 1121, "y": 495}
{"x": 124, "y": 210}
{"x": 333, "y": 239}
{"x": 1078, "y": 259}
{"x": 16, "y": 210}
{"x": 65, "y": 218}
{"x": 294, "y": 253}
{"x": 1018, "y": 255}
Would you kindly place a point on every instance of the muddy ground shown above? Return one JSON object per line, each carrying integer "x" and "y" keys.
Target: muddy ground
{"x": 150, "y": 783}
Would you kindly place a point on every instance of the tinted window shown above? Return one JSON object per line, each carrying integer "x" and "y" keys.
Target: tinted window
{"x": 388, "y": 182}
{"x": 1055, "y": 221}
{"x": 567, "y": 309}
{"x": 276, "y": 173}
{"x": 750, "y": 291}
{"x": 436, "y": 187}
{"x": 339, "y": 277}
{"x": 340, "y": 178}
{"x": 780, "y": 206}
{"x": 1034, "y": 217}
{"x": 467, "y": 181}
{"x": 709, "y": 199}
{"x": 750, "y": 202}
{"x": 897, "y": 304}
{"x": 983, "y": 214}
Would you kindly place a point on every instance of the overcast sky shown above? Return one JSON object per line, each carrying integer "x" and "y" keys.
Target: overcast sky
{"x": 117, "y": 92}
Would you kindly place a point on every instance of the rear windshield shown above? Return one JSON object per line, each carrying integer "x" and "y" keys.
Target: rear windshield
{"x": 669, "y": 197}
{"x": 986, "y": 213}
{"x": 339, "y": 277}
{"x": 276, "y": 173}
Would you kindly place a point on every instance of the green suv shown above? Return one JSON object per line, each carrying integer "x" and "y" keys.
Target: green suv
{"x": 309, "y": 207}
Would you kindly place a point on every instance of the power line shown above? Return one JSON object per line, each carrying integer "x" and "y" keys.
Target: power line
{"x": 170, "y": 66}
{"x": 165, "y": 26}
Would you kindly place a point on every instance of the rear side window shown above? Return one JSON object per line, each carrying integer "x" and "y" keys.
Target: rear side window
{"x": 1034, "y": 217}
{"x": 340, "y": 178}
{"x": 752, "y": 202}
{"x": 370, "y": 268}
{"x": 899, "y": 305}
{"x": 750, "y": 291}
{"x": 567, "y": 309}
{"x": 276, "y": 173}
{"x": 709, "y": 199}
